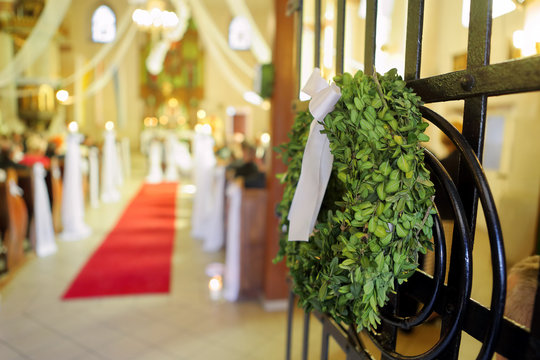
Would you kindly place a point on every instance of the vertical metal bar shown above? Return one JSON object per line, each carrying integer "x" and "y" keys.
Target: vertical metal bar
{"x": 413, "y": 45}
{"x": 289, "y": 325}
{"x": 340, "y": 36}
{"x": 325, "y": 339}
{"x": 300, "y": 23}
{"x": 305, "y": 342}
{"x": 371, "y": 36}
{"x": 474, "y": 117}
{"x": 474, "y": 120}
{"x": 317, "y": 47}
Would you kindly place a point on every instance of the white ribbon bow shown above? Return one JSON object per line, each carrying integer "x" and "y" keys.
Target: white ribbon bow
{"x": 317, "y": 160}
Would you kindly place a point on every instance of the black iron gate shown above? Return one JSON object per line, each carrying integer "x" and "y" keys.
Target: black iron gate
{"x": 450, "y": 297}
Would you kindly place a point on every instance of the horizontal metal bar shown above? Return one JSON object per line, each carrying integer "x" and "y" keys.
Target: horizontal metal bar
{"x": 341, "y": 338}
{"x": 497, "y": 79}
{"x": 476, "y": 317}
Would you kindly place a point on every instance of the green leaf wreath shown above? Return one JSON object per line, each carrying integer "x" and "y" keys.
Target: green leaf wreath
{"x": 376, "y": 214}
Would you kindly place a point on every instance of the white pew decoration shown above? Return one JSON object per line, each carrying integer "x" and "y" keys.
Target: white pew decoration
{"x": 213, "y": 239}
{"x": 43, "y": 230}
{"x": 110, "y": 168}
{"x": 93, "y": 160}
{"x": 155, "y": 172}
{"x": 72, "y": 199}
{"x": 232, "y": 256}
{"x": 183, "y": 158}
{"x": 317, "y": 160}
{"x": 171, "y": 171}
{"x": 204, "y": 162}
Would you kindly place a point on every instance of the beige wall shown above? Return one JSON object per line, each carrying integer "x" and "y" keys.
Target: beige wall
{"x": 102, "y": 107}
{"x": 219, "y": 94}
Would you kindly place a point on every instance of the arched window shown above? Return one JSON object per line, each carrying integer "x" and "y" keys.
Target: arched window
{"x": 103, "y": 25}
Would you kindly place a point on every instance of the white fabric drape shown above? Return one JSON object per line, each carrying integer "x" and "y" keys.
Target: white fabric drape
{"x": 183, "y": 158}
{"x": 231, "y": 276}
{"x": 109, "y": 169}
{"x": 214, "y": 37}
{"x": 38, "y": 41}
{"x": 204, "y": 162}
{"x": 72, "y": 198}
{"x": 113, "y": 66}
{"x": 43, "y": 224}
{"x": 171, "y": 171}
{"x": 317, "y": 160}
{"x": 154, "y": 61}
{"x": 213, "y": 238}
{"x": 155, "y": 172}
{"x": 93, "y": 160}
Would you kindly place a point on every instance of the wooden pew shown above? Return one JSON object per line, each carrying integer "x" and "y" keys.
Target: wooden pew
{"x": 4, "y": 221}
{"x": 56, "y": 194}
{"x": 17, "y": 222}
{"x": 25, "y": 182}
{"x": 253, "y": 232}
{"x": 252, "y": 241}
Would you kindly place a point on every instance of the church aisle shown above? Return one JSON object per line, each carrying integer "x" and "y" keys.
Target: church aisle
{"x": 185, "y": 324}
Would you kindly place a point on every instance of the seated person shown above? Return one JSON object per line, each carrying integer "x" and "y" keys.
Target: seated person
{"x": 36, "y": 147}
{"x": 248, "y": 169}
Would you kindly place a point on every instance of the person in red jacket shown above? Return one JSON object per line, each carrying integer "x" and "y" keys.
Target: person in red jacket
{"x": 35, "y": 152}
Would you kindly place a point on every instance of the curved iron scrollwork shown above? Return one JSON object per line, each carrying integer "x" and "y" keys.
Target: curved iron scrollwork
{"x": 463, "y": 232}
{"x": 452, "y": 300}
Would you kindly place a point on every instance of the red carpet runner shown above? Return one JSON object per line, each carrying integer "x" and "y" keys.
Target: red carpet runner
{"x": 135, "y": 258}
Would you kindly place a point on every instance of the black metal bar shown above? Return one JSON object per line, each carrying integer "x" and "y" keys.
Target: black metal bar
{"x": 370, "y": 36}
{"x": 290, "y": 311}
{"x": 504, "y": 78}
{"x": 317, "y": 47}
{"x": 339, "y": 334}
{"x": 340, "y": 36}
{"x": 413, "y": 46}
{"x": 325, "y": 339}
{"x": 299, "y": 27}
{"x": 305, "y": 342}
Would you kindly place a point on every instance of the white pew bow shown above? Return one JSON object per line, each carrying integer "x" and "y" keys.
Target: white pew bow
{"x": 317, "y": 160}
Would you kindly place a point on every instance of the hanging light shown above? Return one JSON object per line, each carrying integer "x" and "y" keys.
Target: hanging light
{"x": 62, "y": 95}
{"x": 73, "y": 127}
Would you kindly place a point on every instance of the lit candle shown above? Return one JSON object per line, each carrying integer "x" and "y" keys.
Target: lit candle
{"x": 109, "y": 125}
{"x": 215, "y": 285}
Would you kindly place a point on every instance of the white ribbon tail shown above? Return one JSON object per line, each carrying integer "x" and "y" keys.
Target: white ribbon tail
{"x": 316, "y": 163}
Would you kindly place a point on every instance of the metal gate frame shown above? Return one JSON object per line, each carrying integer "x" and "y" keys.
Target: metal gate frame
{"x": 459, "y": 312}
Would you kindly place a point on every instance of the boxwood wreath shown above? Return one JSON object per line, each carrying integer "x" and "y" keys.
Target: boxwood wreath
{"x": 377, "y": 212}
